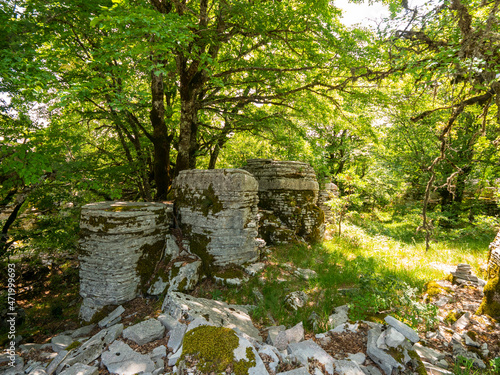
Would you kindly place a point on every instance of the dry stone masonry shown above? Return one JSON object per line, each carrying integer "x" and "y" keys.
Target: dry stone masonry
{"x": 328, "y": 192}
{"x": 288, "y": 194}
{"x": 120, "y": 245}
{"x": 491, "y": 300}
{"x": 217, "y": 212}
{"x": 129, "y": 249}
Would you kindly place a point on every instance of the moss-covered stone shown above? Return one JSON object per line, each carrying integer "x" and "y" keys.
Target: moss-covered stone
{"x": 418, "y": 365}
{"x": 212, "y": 349}
{"x": 199, "y": 246}
{"x": 432, "y": 289}
{"x": 452, "y": 317}
{"x": 230, "y": 273}
{"x": 491, "y": 300}
{"x": 73, "y": 345}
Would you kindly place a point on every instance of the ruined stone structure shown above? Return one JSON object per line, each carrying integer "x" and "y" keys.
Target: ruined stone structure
{"x": 120, "y": 246}
{"x": 491, "y": 300}
{"x": 288, "y": 194}
{"x": 328, "y": 192}
{"x": 127, "y": 248}
{"x": 217, "y": 212}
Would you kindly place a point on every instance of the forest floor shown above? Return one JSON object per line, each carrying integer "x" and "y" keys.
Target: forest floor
{"x": 373, "y": 266}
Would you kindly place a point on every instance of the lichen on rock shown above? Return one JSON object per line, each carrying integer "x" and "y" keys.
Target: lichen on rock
{"x": 213, "y": 350}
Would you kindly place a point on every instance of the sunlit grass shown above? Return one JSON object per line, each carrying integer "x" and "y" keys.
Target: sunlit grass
{"x": 385, "y": 248}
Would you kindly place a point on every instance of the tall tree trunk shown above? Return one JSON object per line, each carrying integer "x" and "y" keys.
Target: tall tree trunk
{"x": 161, "y": 139}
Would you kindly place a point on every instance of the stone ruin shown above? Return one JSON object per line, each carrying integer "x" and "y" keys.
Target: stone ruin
{"x": 217, "y": 213}
{"x": 288, "y": 196}
{"x": 491, "y": 300}
{"x": 327, "y": 193}
{"x": 129, "y": 249}
{"x": 120, "y": 245}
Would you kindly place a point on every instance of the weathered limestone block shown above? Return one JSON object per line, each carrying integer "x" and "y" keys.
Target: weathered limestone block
{"x": 218, "y": 213}
{"x": 120, "y": 246}
{"x": 328, "y": 192}
{"x": 491, "y": 299}
{"x": 290, "y": 190}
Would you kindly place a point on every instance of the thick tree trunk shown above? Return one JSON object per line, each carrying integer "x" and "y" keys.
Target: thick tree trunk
{"x": 161, "y": 139}
{"x": 186, "y": 135}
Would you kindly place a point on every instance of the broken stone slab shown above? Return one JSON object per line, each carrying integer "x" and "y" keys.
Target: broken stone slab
{"x": 25, "y": 348}
{"x": 121, "y": 359}
{"x": 60, "y": 342}
{"x": 404, "y": 329}
{"x": 273, "y": 353}
{"x": 113, "y": 318}
{"x": 221, "y": 314}
{"x": 305, "y": 274}
{"x": 144, "y": 332}
{"x": 463, "y": 321}
{"x": 272, "y": 334}
{"x": 241, "y": 354}
{"x": 83, "y": 331}
{"x": 460, "y": 350}
{"x": 80, "y": 369}
{"x": 159, "y": 352}
{"x": 435, "y": 370}
{"x": 359, "y": 358}
{"x": 176, "y": 337}
{"x": 92, "y": 348}
{"x": 309, "y": 349}
{"x": 296, "y": 300}
{"x": 338, "y": 317}
{"x": 343, "y": 367}
{"x": 470, "y": 342}
{"x": 39, "y": 370}
{"x": 199, "y": 321}
{"x": 297, "y": 371}
{"x": 254, "y": 269}
{"x": 187, "y": 276}
{"x": 288, "y": 336}
{"x": 174, "y": 357}
{"x": 52, "y": 367}
{"x": 386, "y": 362}
{"x": 346, "y": 327}
{"x": 393, "y": 338}
{"x": 370, "y": 370}
{"x": 168, "y": 321}
{"x": 428, "y": 354}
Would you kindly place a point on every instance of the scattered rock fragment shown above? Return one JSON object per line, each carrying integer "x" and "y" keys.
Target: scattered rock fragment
{"x": 144, "y": 332}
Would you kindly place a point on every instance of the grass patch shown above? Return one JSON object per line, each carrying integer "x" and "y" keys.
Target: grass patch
{"x": 379, "y": 264}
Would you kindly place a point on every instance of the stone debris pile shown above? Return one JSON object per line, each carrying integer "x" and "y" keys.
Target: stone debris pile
{"x": 200, "y": 336}
{"x": 463, "y": 275}
{"x": 187, "y": 336}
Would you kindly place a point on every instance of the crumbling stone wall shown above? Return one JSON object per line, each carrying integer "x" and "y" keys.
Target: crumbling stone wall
{"x": 217, "y": 212}
{"x": 491, "y": 300}
{"x": 120, "y": 245}
{"x": 288, "y": 195}
{"x": 328, "y": 192}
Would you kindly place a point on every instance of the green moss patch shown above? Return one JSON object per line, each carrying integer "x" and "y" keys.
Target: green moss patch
{"x": 433, "y": 289}
{"x": 212, "y": 349}
{"x": 491, "y": 300}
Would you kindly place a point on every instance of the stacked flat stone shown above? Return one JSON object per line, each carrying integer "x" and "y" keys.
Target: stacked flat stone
{"x": 120, "y": 245}
{"x": 329, "y": 191}
{"x": 494, "y": 258}
{"x": 289, "y": 190}
{"x": 464, "y": 275}
{"x": 218, "y": 213}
